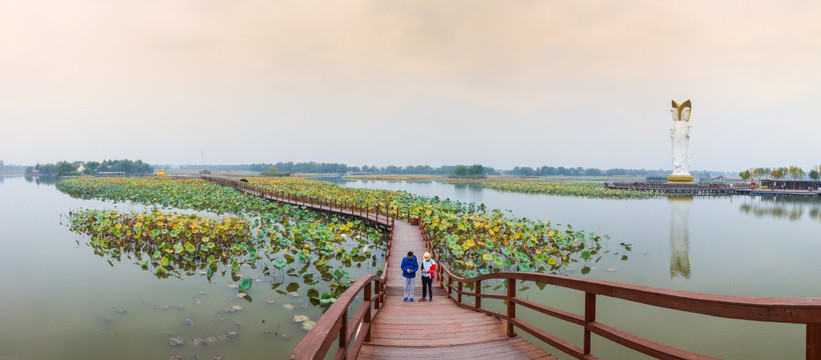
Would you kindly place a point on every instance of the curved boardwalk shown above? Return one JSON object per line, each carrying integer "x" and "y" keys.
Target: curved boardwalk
{"x": 426, "y": 330}
{"x": 438, "y": 329}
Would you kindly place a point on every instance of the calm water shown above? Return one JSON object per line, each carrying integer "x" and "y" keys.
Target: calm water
{"x": 59, "y": 299}
{"x": 747, "y": 246}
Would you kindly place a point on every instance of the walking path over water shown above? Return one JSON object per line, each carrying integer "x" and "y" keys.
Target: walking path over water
{"x": 424, "y": 330}
{"x": 438, "y": 329}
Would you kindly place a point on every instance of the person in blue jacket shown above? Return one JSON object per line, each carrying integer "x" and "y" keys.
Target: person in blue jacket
{"x": 409, "y": 267}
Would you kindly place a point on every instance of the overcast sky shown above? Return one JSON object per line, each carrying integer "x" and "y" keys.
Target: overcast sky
{"x": 501, "y": 83}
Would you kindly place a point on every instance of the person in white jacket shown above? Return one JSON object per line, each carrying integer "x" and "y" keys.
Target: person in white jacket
{"x": 428, "y": 269}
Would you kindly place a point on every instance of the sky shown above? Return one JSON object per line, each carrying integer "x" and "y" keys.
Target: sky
{"x": 499, "y": 83}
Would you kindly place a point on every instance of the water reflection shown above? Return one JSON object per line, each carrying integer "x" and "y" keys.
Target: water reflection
{"x": 680, "y": 236}
{"x": 43, "y": 179}
{"x": 782, "y": 207}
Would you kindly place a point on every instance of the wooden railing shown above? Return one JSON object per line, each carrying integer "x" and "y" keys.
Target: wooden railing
{"x": 782, "y": 310}
{"x": 376, "y": 214}
{"x": 334, "y": 325}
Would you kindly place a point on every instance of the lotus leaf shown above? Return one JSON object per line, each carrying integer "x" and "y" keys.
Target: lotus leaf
{"x": 245, "y": 284}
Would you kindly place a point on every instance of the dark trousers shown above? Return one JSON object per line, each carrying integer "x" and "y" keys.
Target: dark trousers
{"x": 427, "y": 284}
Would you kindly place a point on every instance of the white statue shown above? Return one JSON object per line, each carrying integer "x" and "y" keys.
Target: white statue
{"x": 680, "y": 135}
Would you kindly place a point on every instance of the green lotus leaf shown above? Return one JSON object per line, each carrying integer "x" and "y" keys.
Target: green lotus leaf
{"x": 245, "y": 284}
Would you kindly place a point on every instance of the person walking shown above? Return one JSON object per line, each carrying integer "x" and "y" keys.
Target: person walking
{"x": 409, "y": 267}
{"x": 428, "y": 268}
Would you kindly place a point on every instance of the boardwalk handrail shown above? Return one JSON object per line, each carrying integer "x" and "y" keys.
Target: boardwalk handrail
{"x": 334, "y": 323}
{"x": 782, "y": 310}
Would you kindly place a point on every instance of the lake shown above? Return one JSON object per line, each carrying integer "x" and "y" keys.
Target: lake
{"x": 62, "y": 301}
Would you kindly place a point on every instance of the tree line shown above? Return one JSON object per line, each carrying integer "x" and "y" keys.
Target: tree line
{"x": 8, "y": 167}
{"x": 580, "y": 171}
{"x": 445, "y": 170}
{"x": 65, "y": 168}
{"x": 779, "y": 173}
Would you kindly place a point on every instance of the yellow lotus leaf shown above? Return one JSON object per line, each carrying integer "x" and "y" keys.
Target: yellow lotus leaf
{"x": 164, "y": 261}
{"x": 491, "y": 232}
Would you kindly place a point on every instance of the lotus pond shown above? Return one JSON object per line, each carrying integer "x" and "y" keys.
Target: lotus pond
{"x": 240, "y": 278}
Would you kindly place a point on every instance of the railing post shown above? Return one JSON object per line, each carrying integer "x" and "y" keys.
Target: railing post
{"x": 440, "y": 271}
{"x": 368, "y": 311}
{"x": 511, "y": 307}
{"x": 813, "y": 341}
{"x": 589, "y": 317}
{"x": 477, "y": 297}
{"x": 378, "y": 291}
{"x": 459, "y": 293}
{"x": 343, "y": 334}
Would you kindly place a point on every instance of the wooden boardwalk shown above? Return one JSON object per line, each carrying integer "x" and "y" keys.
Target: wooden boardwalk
{"x": 439, "y": 329}
{"x": 425, "y": 330}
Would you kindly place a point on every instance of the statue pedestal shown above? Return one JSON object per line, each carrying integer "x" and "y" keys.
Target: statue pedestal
{"x": 680, "y": 179}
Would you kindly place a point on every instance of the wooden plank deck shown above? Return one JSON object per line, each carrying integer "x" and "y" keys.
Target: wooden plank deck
{"x": 425, "y": 330}
{"x": 439, "y": 329}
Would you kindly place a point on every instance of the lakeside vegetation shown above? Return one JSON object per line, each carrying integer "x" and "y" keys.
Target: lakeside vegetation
{"x": 580, "y": 189}
{"x": 445, "y": 170}
{"x": 65, "y": 168}
{"x": 472, "y": 238}
{"x": 779, "y": 173}
{"x": 290, "y": 244}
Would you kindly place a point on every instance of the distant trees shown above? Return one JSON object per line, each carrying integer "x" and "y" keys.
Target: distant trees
{"x": 476, "y": 171}
{"x": 778, "y": 173}
{"x": 64, "y": 168}
{"x": 796, "y": 172}
{"x": 272, "y": 171}
{"x": 580, "y": 171}
{"x": 91, "y": 167}
{"x": 315, "y": 167}
{"x": 758, "y": 173}
{"x": 9, "y": 167}
{"x": 126, "y": 166}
